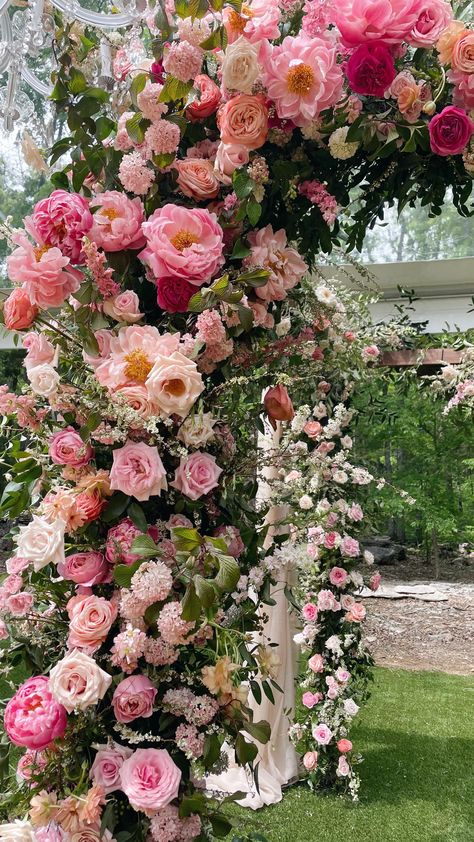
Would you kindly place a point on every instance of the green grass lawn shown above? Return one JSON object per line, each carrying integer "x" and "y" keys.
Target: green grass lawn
{"x": 416, "y": 735}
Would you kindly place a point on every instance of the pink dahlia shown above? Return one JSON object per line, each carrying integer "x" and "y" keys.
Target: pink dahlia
{"x": 117, "y": 222}
{"x": 183, "y": 242}
{"x": 62, "y": 220}
{"x": 43, "y": 271}
{"x": 302, "y": 77}
{"x": 33, "y": 718}
{"x": 359, "y": 21}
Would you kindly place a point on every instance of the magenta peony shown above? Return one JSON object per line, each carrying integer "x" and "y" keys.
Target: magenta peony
{"x": 371, "y": 69}
{"x": 133, "y": 698}
{"x": 18, "y": 310}
{"x": 117, "y": 222}
{"x": 33, "y": 718}
{"x": 150, "y": 779}
{"x": 376, "y": 20}
{"x": 67, "y": 448}
{"x": 450, "y": 131}
{"x": 62, "y": 220}
{"x": 302, "y": 77}
{"x": 196, "y": 475}
{"x": 137, "y": 470}
{"x": 43, "y": 271}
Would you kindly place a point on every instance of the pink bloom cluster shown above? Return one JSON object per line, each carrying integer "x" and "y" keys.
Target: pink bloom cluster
{"x": 319, "y": 195}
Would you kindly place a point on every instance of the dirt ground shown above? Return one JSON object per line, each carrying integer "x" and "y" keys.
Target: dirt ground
{"x": 418, "y": 635}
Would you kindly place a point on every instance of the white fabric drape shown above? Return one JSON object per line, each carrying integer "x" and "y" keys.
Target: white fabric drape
{"x": 277, "y": 759}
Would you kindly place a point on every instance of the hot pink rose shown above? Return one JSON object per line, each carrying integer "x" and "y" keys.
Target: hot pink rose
{"x": 134, "y": 698}
{"x": 322, "y": 734}
{"x": 433, "y": 18}
{"x": 62, "y": 220}
{"x": 87, "y": 569}
{"x": 43, "y": 271}
{"x": 230, "y": 156}
{"x": 350, "y": 547}
{"x": 243, "y": 120}
{"x": 197, "y": 179}
{"x": 310, "y": 612}
{"x": 67, "y": 448}
{"x": 150, "y": 779}
{"x": 376, "y": 20}
{"x": 344, "y": 746}
{"x": 450, "y": 131}
{"x": 371, "y": 69}
{"x": 375, "y": 580}
{"x": 137, "y": 470}
{"x": 316, "y": 663}
{"x": 356, "y": 613}
{"x": 91, "y": 619}
{"x": 105, "y": 770}
{"x": 338, "y": 576}
{"x": 173, "y": 294}
{"x": 33, "y": 718}
{"x": 310, "y": 760}
{"x": 117, "y": 221}
{"x": 119, "y": 542}
{"x": 197, "y": 475}
{"x": 18, "y": 311}
{"x": 19, "y": 604}
{"x": 207, "y": 101}
{"x": 183, "y": 242}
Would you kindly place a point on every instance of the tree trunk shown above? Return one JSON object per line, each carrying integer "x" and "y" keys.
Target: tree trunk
{"x": 435, "y": 553}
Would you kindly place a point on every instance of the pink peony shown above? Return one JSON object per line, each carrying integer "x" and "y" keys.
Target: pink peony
{"x": 270, "y": 249}
{"x": 243, "y": 121}
{"x": 391, "y": 21}
{"x": 196, "y": 475}
{"x": 117, "y": 222}
{"x": 18, "y": 311}
{"x": 150, "y": 779}
{"x": 62, "y": 220}
{"x": 91, "y": 619}
{"x": 183, "y": 242}
{"x": 173, "y": 294}
{"x": 433, "y": 18}
{"x": 450, "y": 131}
{"x": 32, "y": 717}
{"x": 86, "y": 569}
{"x": 207, "y": 101}
{"x": 137, "y": 470}
{"x": 322, "y": 734}
{"x": 133, "y": 698}
{"x": 67, "y": 448}
{"x": 338, "y": 576}
{"x": 105, "y": 770}
{"x": 371, "y": 69}
{"x": 302, "y": 77}
{"x": 44, "y": 272}
{"x": 258, "y": 19}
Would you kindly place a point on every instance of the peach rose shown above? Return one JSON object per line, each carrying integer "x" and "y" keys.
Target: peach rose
{"x": 463, "y": 54}
{"x": 18, "y": 311}
{"x": 124, "y": 307}
{"x": 197, "y": 179}
{"x": 344, "y": 746}
{"x": 244, "y": 120}
{"x": 77, "y": 682}
{"x": 278, "y": 405}
{"x": 174, "y": 384}
{"x": 448, "y": 40}
{"x": 208, "y": 100}
{"x": 310, "y": 760}
{"x": 356, "y": 613}
{"x": 230, "y": 156}
{"x": 91, "y": 619}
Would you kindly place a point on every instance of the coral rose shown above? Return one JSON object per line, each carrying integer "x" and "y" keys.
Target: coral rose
{"x": 67, "y": 448}
{"x": 183, "y": 242}
{"x": 243, "y": 120}
{"x": 77, "y": 681}
{"x": 133, "y": 698}
{"x": 433, "y": 18}
{"x": 137, "y": 470}
{"x": 62, "y": 220}
{"x": 86, "y": 569}
{"x": 91, "y": 619}
{"x": 174, "y": 384}
{"x": 196, "y": 179}
{"x": 117, "y": 222}
{"x": 278, "y": 405}
{"x": 105, "y": 770}
{"x": 450, "y": 131}
{"x": 33, "y": 718}
{"x": 173, "y": 294}
{"x": 18, "y": 311}
{"x": 197, "y": 475}
{"x": 43, "y": 271}
{"x": 207, "y": 101}
{"x": 371, "y": 69}
{"x": 463, "y": 54}
{"x": 150, "y": 779}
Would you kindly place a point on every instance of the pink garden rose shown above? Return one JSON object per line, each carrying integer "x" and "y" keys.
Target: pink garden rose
{"x": 197, "y": 475}
{"x": 356, "y": 613}
{"x": 344, "y": 746}
{"x": 327, "y": 601}
{"x": 67, "y": 448}
{"x": 117, "y": 221}
{"x": 77, "y": 681}
{"x": 118, "y": 547}
{"x": 371, "y": 69}
{"x": 183, "y": 242}
{"x": 18, "y": 311}
{"x": 39, "y": 350}
{"x": 133, "y": 698}
{"x": 150, "y": 779}
{"x": 310, "y": 612}
{"x": 450, "y": 131}
{"x": 137, "y": 470}
{"x": 33, "y": 718}
{"x": 86, "y": 569}
{"x": 3, "y": 630}
{"x": 338, "y": 576}
{"x": 316, "y": 663}
{"x": 62, "y": 220}
{"x": 350, "y": 547}
{"x": 302, "y": 77}
{"x": 90, "y": 620}
{"x": 375, "y": 580}
{"x": 173, "y": 294}
{"x": 322, "y": 734}
{"x": 310, "y": 760}
{"x": 105, "y": 770}
{"x": 463, "y": 94}
{"x": 43, "y": 271}
{"x": 124, "y": 307}
{"x": 174, "y": 384}
{"x": 243, "y": 121}
{"x": 19, "y": 604}
{"x": 343, "y": 768}
{"x": 433, "y": 18}
{"x": 359, "y": 21}
{"x": 230, "y": 156}
{"x": 207, "y": 101}
{"x": 197, "y": 179}
{"x": 310, "y": 700}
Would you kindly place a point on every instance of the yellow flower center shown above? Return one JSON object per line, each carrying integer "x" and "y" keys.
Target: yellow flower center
{"x": 300, "y": 79}
{"x": 110, "y": 213}
{"x": 138, "y": 366}
{"x": 183, "y": 240}
{"x": 238, "y": 22}
{"x": 174, "y": 387}
{"x": 39, "y": 251}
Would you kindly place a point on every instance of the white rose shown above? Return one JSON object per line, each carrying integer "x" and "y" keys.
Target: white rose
{"x": 41, "y": 542}
{"x": 305, "y": 502}
{"x": 350, "y": 707}
{"x": 44, "y": 379}
{"x": 77, "y": 681}
{"x": 17, "y": 831}
{"x": 174, "y": 384}
{"x": 124, "y": 307}
{"x": 283, "y": 327}
{"x": 197, "y": 430}
{"x": 326, "y": 296}
{"x": 240, "y": 66}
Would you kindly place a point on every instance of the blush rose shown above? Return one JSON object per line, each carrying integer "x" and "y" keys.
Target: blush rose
{"x": 137, "y": 470}
{"x": 197, "y": 475}
{"x": 134, "y": 698}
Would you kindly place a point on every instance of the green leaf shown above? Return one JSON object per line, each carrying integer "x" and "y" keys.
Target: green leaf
{"x": 190, "y": 604}
{"x": 145, "y": 547}
{"x": 137, "y": 86}
{"x": 212, "y": 750}
{"x": 77, "y": 81}
{"x": 216, "y": 40}
{"x": 104, "y": 127}
{"x": 197, "y": 303}
{"x": 97, "y": 93}
{"x": 258, "y": 730}
{"x": 205, "y": 591}
{"x": 137, "y": 515}
{"x": 240, "y": 250}
{"x": 254, "y": 211}
{"x": 185, "y": 540}
{"x": 355, "y": 130}
{"x": 136, "y": 127}
{"x": 245, "y": 752}
{"x": 115, "y": 507}
{"x": 242, "y": 183}
{"x": 229, "y": 573}
{"x": 123, "y": 573}
{"x": 254, "y": 278}
{"x": 256, "y": 691}
{"x": 195, "y": 803}
{"x": 246, "y": 317}
{"x": 174, "y": 89}
{"x": 59, "y": 92}
{"x": 163, "y": 160}
{"x": 152, "y": 613}
{"x": 60, "y": 181}
{"x": 221, "y": 826}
